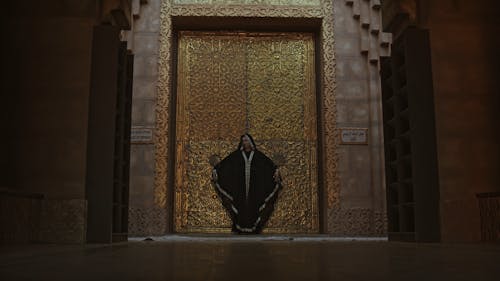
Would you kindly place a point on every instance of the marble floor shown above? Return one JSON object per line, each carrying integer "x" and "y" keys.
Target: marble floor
{"x": 286, "y": 258}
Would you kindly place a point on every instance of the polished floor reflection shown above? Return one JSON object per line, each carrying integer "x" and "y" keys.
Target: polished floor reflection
{"x": 225, "y": 258}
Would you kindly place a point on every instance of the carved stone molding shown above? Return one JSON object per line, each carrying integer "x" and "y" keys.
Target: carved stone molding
{"x": 374, "y": 43}
{"x": 329, "y": 136}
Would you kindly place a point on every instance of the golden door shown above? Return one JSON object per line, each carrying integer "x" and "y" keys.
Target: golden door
{"x": 232, "y": 83}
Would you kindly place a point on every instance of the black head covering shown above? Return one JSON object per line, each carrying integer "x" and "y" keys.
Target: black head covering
{"x": 240, "y": 145}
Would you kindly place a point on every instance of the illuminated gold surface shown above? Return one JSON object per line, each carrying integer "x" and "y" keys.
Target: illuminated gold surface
{"x": 229, "y": 83}
{"x": 251, "y": 2}
{"x": 326, "y": 101}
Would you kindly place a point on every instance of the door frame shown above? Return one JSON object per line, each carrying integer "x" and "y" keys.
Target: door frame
{"x": 250, "y": 24}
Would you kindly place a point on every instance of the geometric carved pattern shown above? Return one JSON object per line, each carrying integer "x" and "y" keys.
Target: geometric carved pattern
{"x": 229, "y": 83}
{"x": 329, "y": 136}
{"x": 359, "y": 222}
{"x": 250, "y": 2}
{"x": 146, "y": 221}
{"x": 211, "y": 83}
{"x": 279, "y": 88}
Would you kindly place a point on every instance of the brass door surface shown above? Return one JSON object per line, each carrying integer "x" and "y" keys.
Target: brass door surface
{"x": 232, "y": 83}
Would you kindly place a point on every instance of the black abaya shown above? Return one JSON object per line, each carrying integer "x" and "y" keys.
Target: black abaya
{"x": 249, "y": 208}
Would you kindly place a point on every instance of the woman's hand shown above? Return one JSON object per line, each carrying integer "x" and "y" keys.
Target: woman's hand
{"x": 277, "y": 175}
{"x": 214, "y": 175}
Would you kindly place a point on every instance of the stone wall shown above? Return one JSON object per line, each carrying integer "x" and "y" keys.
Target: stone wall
{"x": 145, "y": 216}
{"x": 45, "y": 85}
{"x": 359, "y": 44}
{"x": 465, "y": 68}
{"x": 19, "y": 216}
{"x": 357, "y": 206}
{"x": 48, "y": 87}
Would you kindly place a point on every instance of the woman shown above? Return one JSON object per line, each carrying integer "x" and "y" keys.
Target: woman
{"x": 248, "y": 183}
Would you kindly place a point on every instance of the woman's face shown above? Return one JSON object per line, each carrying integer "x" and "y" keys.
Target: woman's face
{"x": 246, "y": 143}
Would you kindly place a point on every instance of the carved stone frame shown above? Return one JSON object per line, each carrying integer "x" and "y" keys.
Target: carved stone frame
{"x": 327, "y": 132}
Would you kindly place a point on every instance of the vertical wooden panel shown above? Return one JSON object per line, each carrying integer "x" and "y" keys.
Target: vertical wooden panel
{"x": 101, "y": 133}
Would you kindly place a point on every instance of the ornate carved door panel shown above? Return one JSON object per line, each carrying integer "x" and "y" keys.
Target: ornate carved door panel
{"x": 230, "y": 83}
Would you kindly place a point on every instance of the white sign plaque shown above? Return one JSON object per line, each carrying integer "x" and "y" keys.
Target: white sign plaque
{"x": 141, "y": 135}
{"x": 353, "y": 136}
